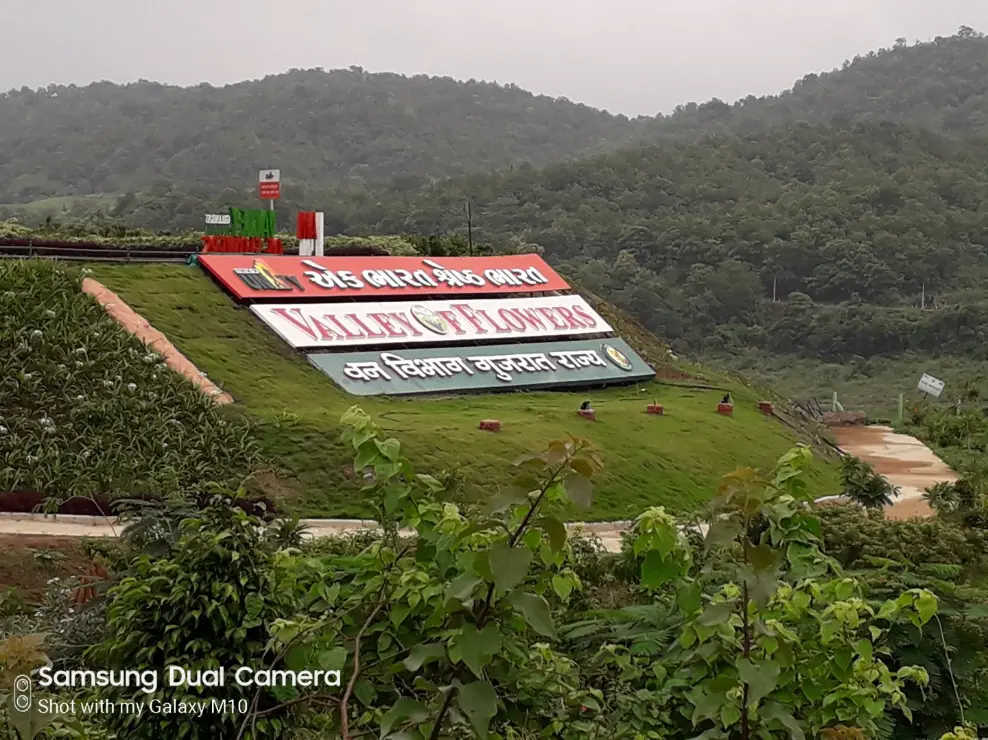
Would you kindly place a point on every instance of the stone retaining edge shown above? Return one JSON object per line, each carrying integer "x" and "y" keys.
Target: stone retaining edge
{"x": 96, "y": 521}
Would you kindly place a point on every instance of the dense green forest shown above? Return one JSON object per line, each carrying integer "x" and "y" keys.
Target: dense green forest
{"x": 324, "y": 128}
{"x": 941, "y": 84}
{"x": 851, "y": 228}
{"x": 318, "y": 127}
{"x": 841, "y": 220}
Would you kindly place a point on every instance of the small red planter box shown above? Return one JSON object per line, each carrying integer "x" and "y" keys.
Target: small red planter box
{"x": 765, "y": 407}
{"x": 727, "y": 409}
{"x": 655, "y": 408}
{"x": 589, "y": 414}
{"x": 490, "y": 425}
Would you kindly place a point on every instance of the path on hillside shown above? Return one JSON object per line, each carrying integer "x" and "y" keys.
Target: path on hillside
{"x": 140, "y": 327}
{"x": 66, "y": 525}
{"x": 904, "y": 460}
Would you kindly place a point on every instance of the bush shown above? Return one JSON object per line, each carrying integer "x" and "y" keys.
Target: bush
{"x": 210, "y": 603}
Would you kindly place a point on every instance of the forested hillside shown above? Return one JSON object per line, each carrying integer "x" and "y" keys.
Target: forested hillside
{"x": 852, "y": 199}
{"x": 350, "y": 126}
{"x": 850, "y": 226}
{"x": 318, "y": 127}
{"x": 941, "y": 84}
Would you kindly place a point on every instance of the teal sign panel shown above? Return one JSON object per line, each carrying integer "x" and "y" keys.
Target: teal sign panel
{"x": 489, "y": 368}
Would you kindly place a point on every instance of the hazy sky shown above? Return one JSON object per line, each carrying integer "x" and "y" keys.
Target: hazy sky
{"x": 629, "y": 56}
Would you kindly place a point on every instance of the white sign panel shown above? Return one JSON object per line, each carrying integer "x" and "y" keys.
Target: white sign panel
{"x": 357, "y": 324}
{"x": 931, "y": 385}
{"x": 269, "y": 176}
{"x": 221, "y": 219}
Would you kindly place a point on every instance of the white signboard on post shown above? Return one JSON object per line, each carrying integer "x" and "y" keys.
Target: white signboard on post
{"x": 269, "y": 184}
{"x": 931, "y": 385}
{"x": 312, "y": 325}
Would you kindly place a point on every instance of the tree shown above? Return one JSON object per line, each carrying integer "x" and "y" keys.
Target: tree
{"x": 862, "y": 485}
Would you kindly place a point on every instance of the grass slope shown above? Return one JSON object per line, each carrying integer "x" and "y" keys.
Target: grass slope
{"x": 673, "y": 461}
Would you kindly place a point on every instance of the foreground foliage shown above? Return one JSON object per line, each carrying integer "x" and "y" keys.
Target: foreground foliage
{"x": 492, "y": 621}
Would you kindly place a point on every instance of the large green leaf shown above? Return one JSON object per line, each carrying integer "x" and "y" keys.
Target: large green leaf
{"x": 403, "y": 711}
{"x": 422, "y": 654}
{"x": 509, "y": 565}
{"x": 657, "y": 570}
{"x": 535, "y": 609}
{"x": 390, "y": 448}
{"x": 580, "y": 489}
{"x": 556, "y": 531}
{"x": 461, "y": 587}
{"x": 478, "y": 700}
{"x": 478, "y": 647}
{"x": 762, "y": 678}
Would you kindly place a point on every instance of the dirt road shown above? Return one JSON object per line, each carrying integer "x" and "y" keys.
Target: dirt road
{"x": 904, "y": 460}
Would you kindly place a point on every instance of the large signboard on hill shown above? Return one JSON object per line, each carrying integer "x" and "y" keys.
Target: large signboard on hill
{"x": 312, "y": 325}
{"x": 498, "y": 367}
{"x": 315, "y": 278}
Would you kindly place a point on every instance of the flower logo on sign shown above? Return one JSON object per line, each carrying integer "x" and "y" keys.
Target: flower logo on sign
{"x": 430, "y": 320}
{"x": 617, "y": 357}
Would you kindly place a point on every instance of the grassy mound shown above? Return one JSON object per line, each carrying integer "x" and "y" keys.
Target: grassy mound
{"x": 674, "y": 460}
{"x": 87, "y": 410}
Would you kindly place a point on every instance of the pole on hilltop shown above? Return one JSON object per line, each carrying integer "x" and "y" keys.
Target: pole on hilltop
{"x": 470, "y": 226}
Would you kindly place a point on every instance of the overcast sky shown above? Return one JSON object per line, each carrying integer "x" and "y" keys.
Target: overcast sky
{"x": 628, "y": 56}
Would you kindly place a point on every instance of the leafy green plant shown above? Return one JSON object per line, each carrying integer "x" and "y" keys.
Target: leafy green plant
{"x": 773, "y": 637}
{"x": 287, "y": 532}
{"x": 861, "y": 484}
{"x": 448, "y": 632}
{"x": 209, "y": 603}
{"x": 48, "y": 557}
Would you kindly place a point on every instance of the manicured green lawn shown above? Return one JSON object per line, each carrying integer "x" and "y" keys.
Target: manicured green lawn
{"x": 674, "y": 460}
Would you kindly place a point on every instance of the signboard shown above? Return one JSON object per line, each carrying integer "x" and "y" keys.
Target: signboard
{"x": 497, "y": 367}
{"x": 931, "y": 385}
{"x": 269, "y": 183}
{"x": 256, "y": 223}
{"x": 336, "y": 324}
{"x": 217, "y": 219}
{"x": 372, "y": 277}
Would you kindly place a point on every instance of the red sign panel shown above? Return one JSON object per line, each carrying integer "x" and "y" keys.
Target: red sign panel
{"x": 270, "y": 190}
{"x": 318, "y": 278}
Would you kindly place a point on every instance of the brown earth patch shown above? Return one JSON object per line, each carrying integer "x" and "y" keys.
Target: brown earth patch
{"x": 21, "y": 569}
{"x": 904, "y": 460}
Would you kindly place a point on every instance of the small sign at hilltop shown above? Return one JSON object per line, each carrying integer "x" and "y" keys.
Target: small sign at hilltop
{"x": 269, "y": 182}
{"x": 931, "y": 385}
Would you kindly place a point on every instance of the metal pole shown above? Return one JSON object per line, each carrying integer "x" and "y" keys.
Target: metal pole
{"x": 470, "y": 226}
{"x": 773, "y": 289}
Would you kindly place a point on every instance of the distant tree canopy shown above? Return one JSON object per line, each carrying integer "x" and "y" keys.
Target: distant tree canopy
{"x": 319, "y": 127}
{"x": 847, "y": 198}
{"x": 350, "y": 126}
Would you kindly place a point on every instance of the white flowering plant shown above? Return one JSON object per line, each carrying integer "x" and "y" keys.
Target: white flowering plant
{"x": 88, "y": 410}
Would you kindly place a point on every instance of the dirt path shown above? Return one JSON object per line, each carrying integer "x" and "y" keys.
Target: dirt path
{"x": 904, "y": 460}
{"x": 137, "y": 325}
{"x": 37, "y": 525}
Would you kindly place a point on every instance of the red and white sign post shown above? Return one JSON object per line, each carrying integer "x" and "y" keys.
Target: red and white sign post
{"x": 311, "y": 234}
{"x": 269, "y": 185}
